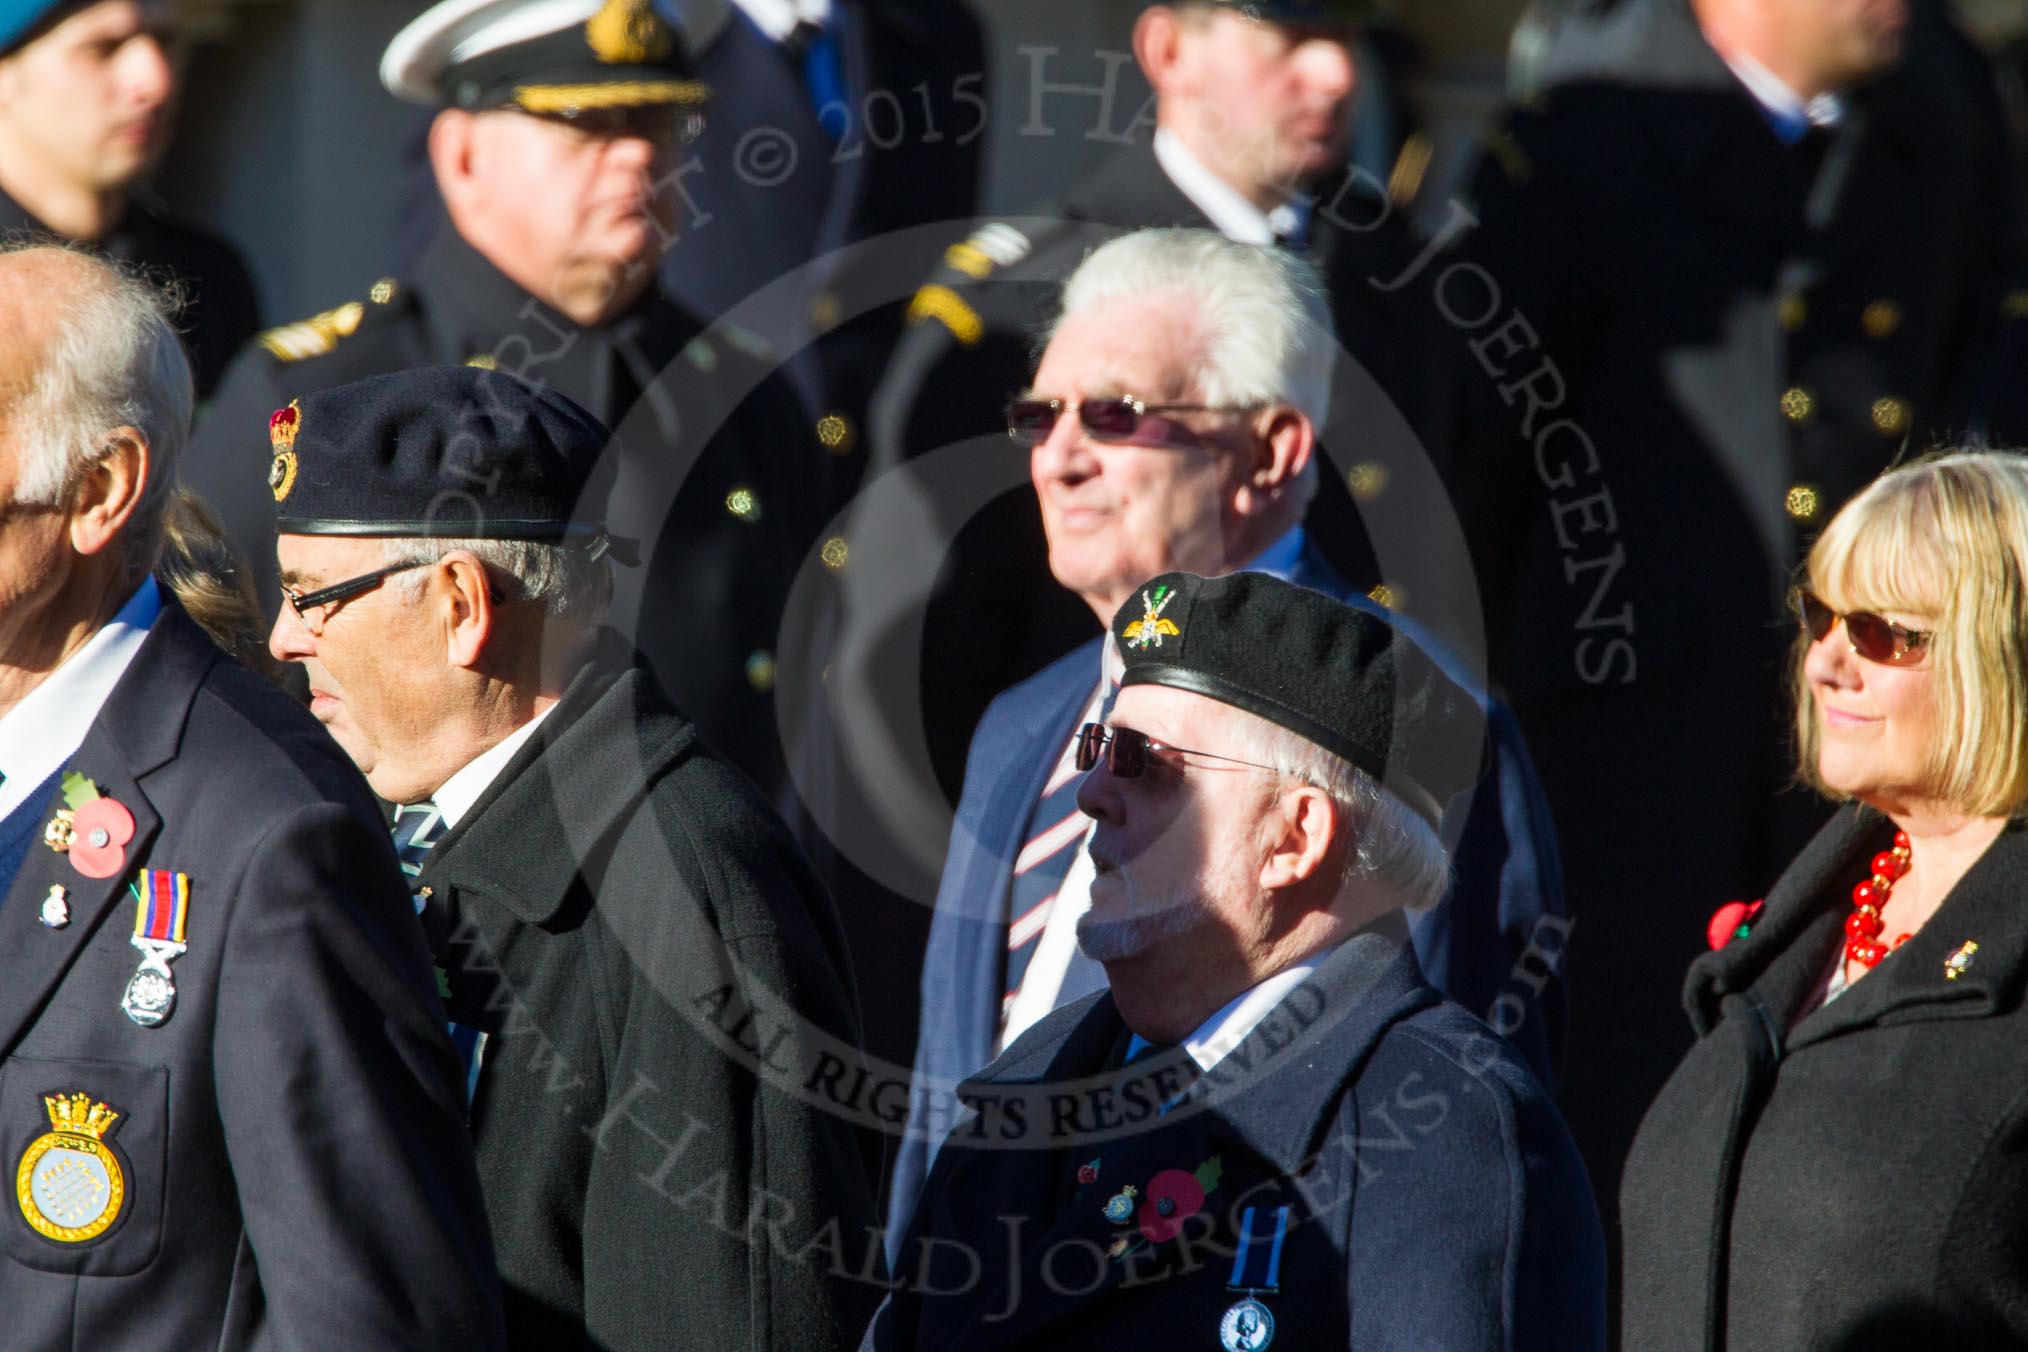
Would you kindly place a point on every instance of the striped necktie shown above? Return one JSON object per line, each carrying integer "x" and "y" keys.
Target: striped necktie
{"x": 1055, "y": 829}
{"x": 417, "y": 828}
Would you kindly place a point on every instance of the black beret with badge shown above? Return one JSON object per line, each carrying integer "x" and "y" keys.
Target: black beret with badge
{"x": 1343, "y": 678}
{"x": 552, "y": 57}
{"x": 450, "y": 452}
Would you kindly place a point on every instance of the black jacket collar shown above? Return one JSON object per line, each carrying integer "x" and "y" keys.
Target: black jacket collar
{"x": 1788, "y": 954}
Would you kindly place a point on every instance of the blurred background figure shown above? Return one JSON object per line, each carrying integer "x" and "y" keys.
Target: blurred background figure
{"x": 1850, "y": 1128}
{"x": 1172, "y": 424}
{"x": 556, "y": 146}
{"x": 1736, "y": 259}
{"x": 87, "y": 96}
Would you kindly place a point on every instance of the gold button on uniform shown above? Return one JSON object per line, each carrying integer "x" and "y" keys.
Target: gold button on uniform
{"x": 1803, "y": 503}
{"x": 1881, "y": 319}
{"x": 760, "y": 670}
{"x": 1366, "y": 481}
{"x": 1890, "y": 416}
{"x": 1799, "y": 405}
{"x": 742, "y": 503}
{"x": 383, "y": 291}
{"x": 836, "y": 553}
{"x": 1384, "y": 595}
{"x": 483, "y": 360}
{"x": 835, "y": 431}
{"x": 825, "y": 312}
{"x": 1793, "y": 312}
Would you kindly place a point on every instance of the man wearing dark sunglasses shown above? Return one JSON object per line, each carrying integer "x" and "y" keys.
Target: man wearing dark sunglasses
{"x": 557, "y": 142}
{"x": 1156, "y": 443}
{"x": 1193, "y": 1154}
{"x": 1253, "y": 112}
{"x": 605, "y": 897}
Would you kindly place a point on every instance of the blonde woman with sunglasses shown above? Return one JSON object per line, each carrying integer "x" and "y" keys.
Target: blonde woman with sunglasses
{"x": 1842, "y": 1159}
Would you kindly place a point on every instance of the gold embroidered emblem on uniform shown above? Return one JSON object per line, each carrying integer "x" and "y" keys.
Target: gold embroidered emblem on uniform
{"x": 70, "y": 1185}
{"x": 628, "y": 32}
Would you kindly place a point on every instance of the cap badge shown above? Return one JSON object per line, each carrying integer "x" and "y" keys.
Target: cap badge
{"x": 282, "y": 429}
{"x": 70, "y": 1185}
{"x": 1147, "y": 631}
{"x": 628, "y": 33}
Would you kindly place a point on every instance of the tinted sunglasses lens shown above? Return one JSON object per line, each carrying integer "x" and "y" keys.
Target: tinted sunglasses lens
{"x": 1109, "y": 417}
{"x": 1872, "y": 637}
{"x": 1091, "y": 741}
{"x": 1129, "y": 753}
{"x": 1815, "y": 615}
{"x": 1029, "y": 420}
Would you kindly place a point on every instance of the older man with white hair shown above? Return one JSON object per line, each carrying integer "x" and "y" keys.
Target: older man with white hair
{"x": 1172, "y": 424}
{"x": 1270, "y": 1124}
{"x": 226, "y": 1097}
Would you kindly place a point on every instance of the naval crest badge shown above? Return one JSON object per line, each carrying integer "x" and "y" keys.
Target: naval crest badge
{"x": 70, "y": 1185}
{"x": 282, "y": 429}
{"x": 1147, "y": 631}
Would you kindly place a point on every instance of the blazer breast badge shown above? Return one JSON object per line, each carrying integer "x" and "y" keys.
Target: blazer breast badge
{"x": 70, "y": 1186}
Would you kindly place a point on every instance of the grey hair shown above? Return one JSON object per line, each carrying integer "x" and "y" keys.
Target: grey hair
{"x": 1262, "y": 313}
{"x": 114, "y": 362}
{"x": 1394, "y": 846}
{"x": 570, "y": 585}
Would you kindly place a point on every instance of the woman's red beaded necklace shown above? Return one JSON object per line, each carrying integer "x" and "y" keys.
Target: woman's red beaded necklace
{"x": 1863, "y": 927}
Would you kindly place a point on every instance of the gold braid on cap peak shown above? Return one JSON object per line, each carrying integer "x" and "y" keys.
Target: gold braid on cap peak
{"x": 618, "y": 94}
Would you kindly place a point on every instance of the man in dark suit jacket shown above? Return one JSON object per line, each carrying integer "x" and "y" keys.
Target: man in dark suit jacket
{"x": 1270, "y": 1129}
{"x": 88, "y": 91}
{"x": 225, "y": 1092}
{"x": 1116, "y": 507}
{"x": 649, "y": 981}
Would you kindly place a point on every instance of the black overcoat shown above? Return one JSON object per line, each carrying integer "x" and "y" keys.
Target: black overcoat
{"x": 664, "y": 988}
{"x": 296, "y": 1173}
{"x": 1857, "y": 1177}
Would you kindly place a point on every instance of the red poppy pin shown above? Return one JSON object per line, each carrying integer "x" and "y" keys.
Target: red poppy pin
{"x": 1174, "y": 1196}
{"x": 93, "y": 830}
{"x": 1733, "y": 920}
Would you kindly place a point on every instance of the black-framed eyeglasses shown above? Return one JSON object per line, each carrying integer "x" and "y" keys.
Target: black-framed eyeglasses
{"x": 1874, "y": 637}
{"x": 305, "y": 602}
{"x": 1126, "y": 751}
{"x": 1120, "y": 418}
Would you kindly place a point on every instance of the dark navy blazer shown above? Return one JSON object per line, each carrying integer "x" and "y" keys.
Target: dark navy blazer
{"x": 1506, "y": 897}
{"x": 1433, "y": 1196}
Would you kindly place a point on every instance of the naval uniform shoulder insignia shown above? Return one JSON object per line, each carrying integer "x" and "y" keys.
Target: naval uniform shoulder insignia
{"x": 320, "y": 333}
{"x": 948, "y": 308}
{"x": 991, "y": 246}
{"x": 70, "y": 1184}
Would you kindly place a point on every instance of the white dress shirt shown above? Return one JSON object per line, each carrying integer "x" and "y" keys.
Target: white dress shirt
{"x": 1791, "y": 114}
{"x": 1235, "y": 217}
{"x": 778, "y": 18}
{"x": 1218, "y": 1035}
{"x": 463, "y": 789}
{"x": 40, "y": 734}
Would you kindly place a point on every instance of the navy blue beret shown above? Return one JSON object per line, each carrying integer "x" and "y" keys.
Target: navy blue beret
{"x": 1342, "y": 678}
{"x": 445, "y": 451}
